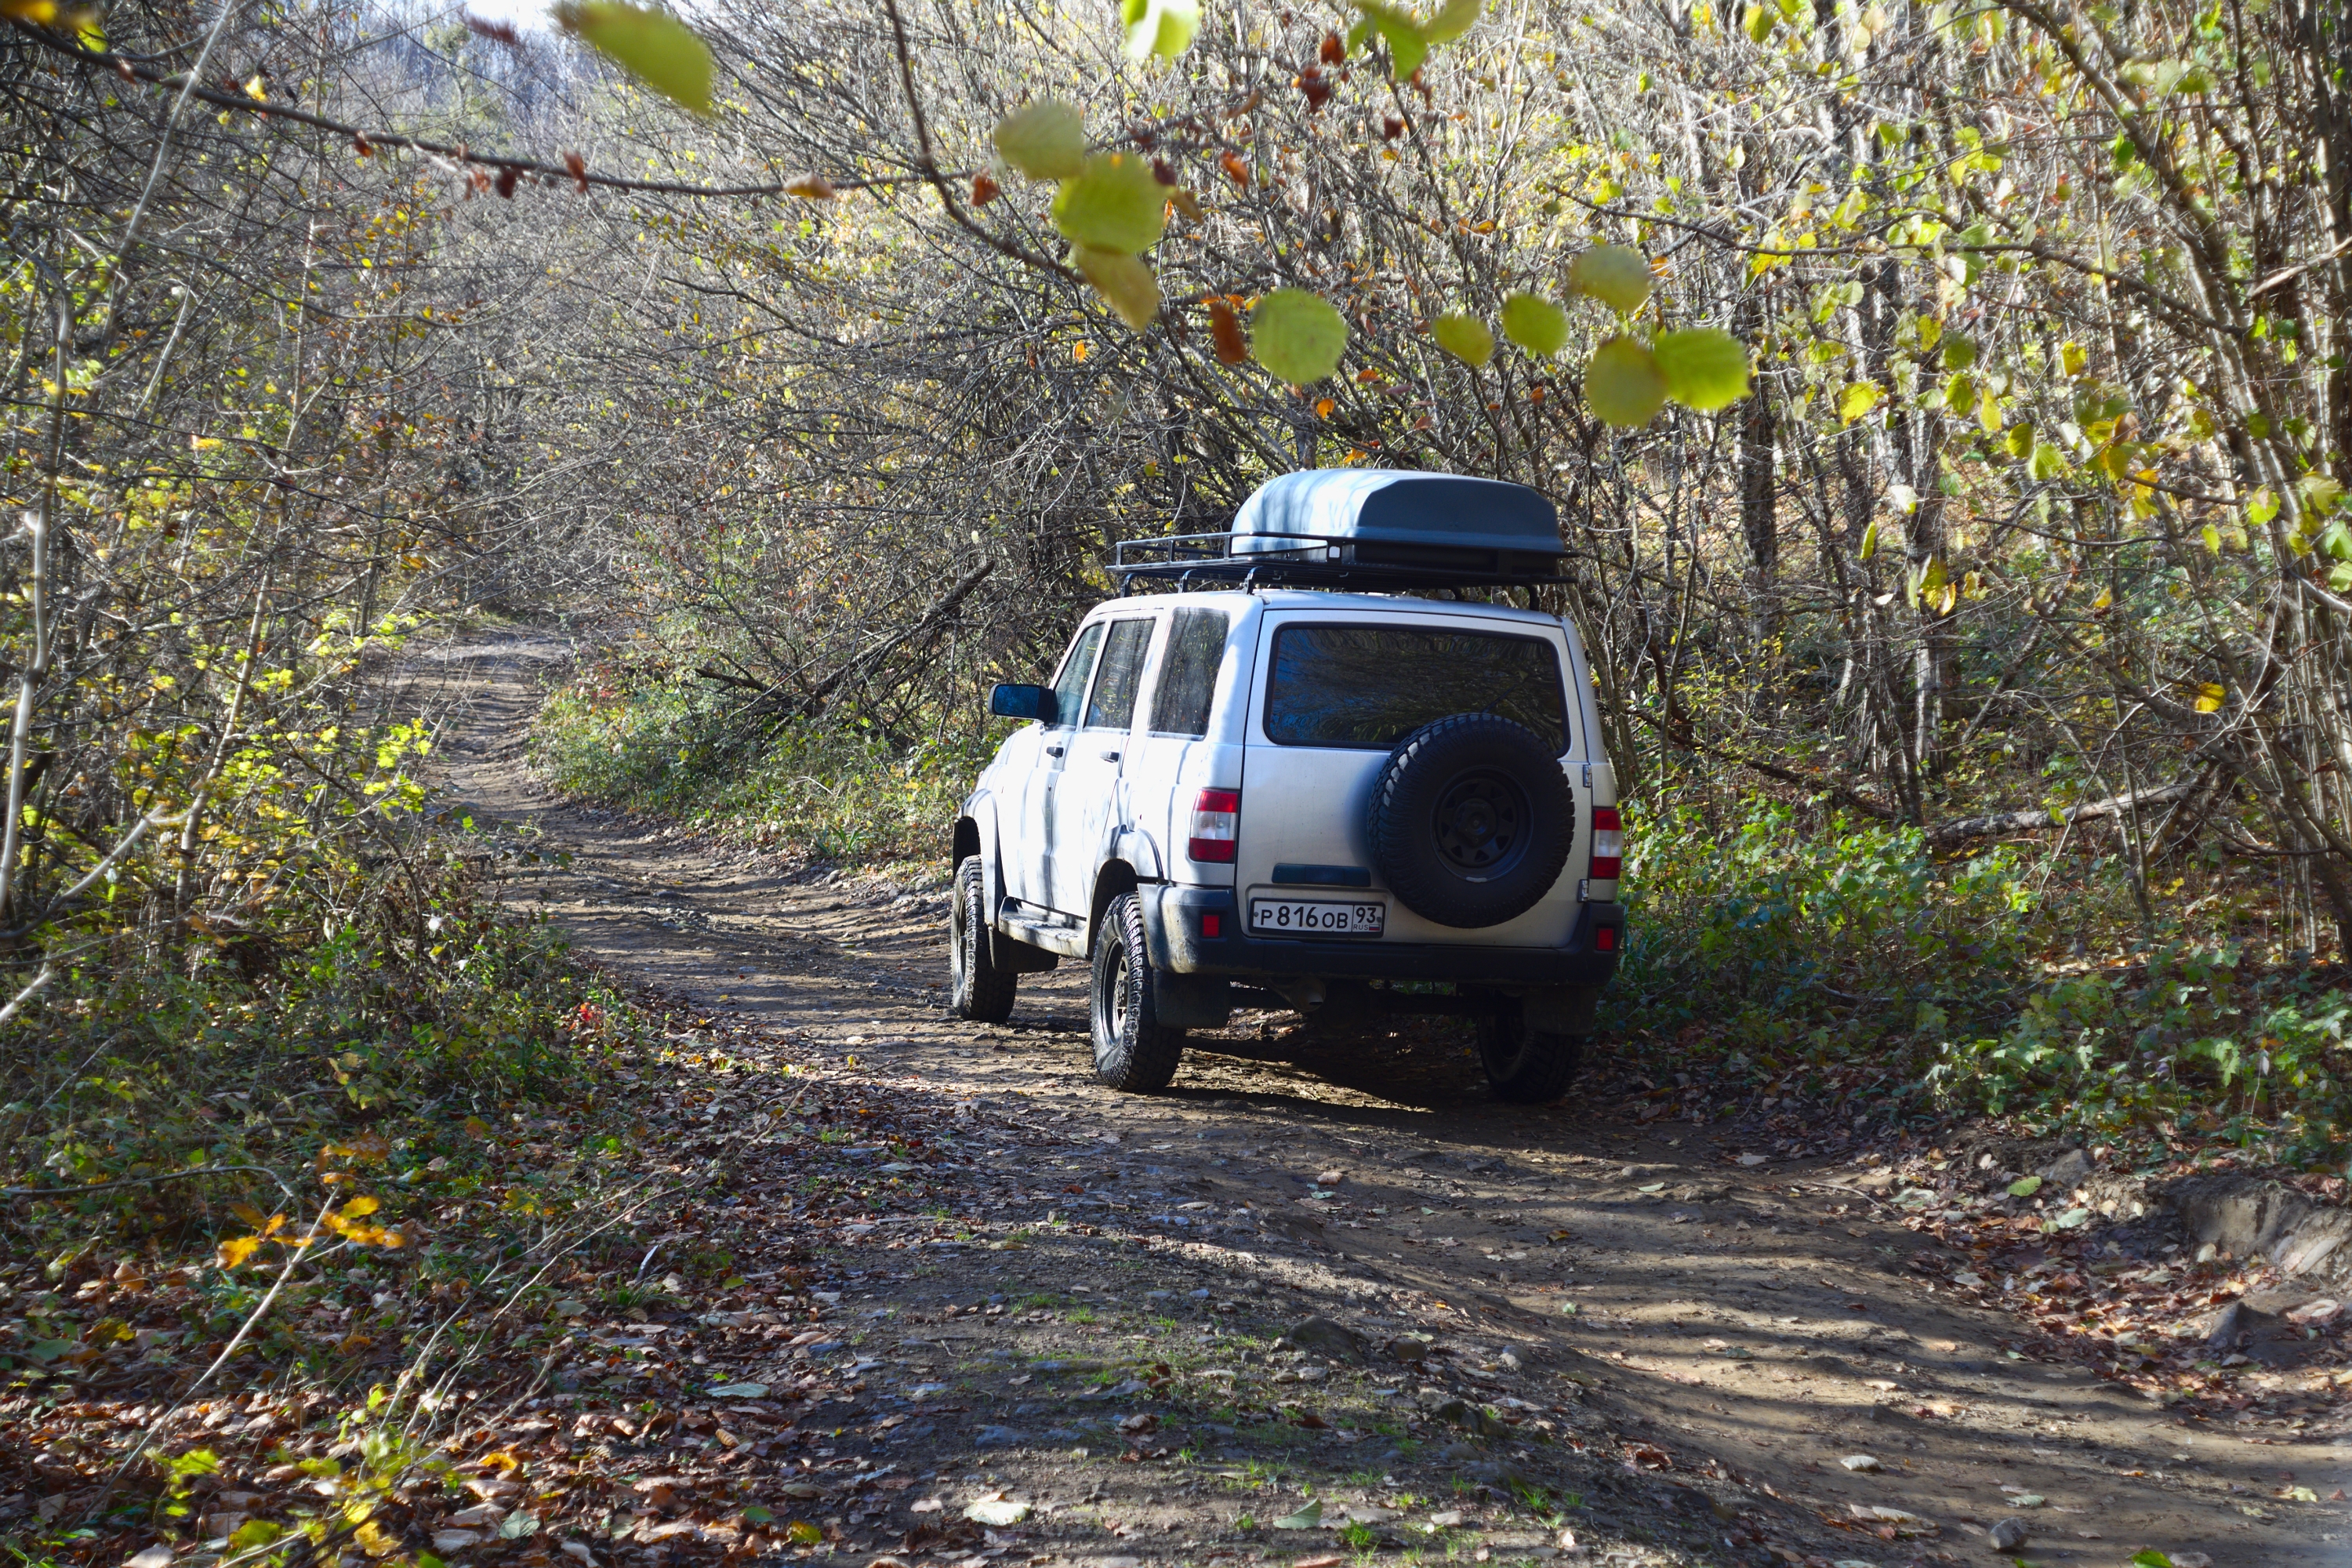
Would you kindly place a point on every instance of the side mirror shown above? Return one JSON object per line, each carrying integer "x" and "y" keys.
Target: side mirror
{"x": 1009, "y": 701}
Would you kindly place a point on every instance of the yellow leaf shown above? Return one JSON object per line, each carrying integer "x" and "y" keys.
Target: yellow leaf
{"x": 2210, "y": 697}
{"x": 1870, "y": 539}
{"x": 1623, "y": 386}
{"x": 1115, "y": 202}
{"x": 40, "y": 13}
{"x": 1858, "y": 399}
{"x": 2074, "y": 357}
{"x": 1296, "y": 335}
{"x": 376, "y": 1540}
{"x": 656, "y": 47}
{"x": 1125, "y": 282}
{"x": 1706, "y": 367}
{"x": 237, "y": 1249}
{"x": 1759, "y": 22}
{"x": 502, "y": 1460}
{"x": 1613, "y": 275}
{"x": 1467, "y": 337}
{"x": 1534, "y": 323}
{"x": 1046, "y": 139}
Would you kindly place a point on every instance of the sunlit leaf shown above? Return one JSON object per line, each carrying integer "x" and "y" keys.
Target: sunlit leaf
{"x": 1298, "y": 335}
{"x": 800, "y": 1532}
{"x": 1467, "y": 337}
{"x": 1613, "y": 275}
{"x": 1759, "y": 22}
{"x": 2322, "y": 493}
{"x": 2210, "y": 697}
{"x": 359, "y": 1207}
{"x": 1534, "y": 323}
{"x": 1453, "y": 18}
{"x": 652, "y": 46}
{"x": 1115, "y": 202}
{"x": 254, "y": 1532}
{"x": 1705, "y": 367}
{"x": 2024, "y": 1186}
{"x": 1125, "y": 282}
{"x": 1858, "y": 399}
{"x": 1870, "y": 539}
{"x": 1159, "y": 26}
{"x": 237, "y": 1249}
{"x": 2074, "y": 357}
{"x": 2048, "y": 462}
{"x": 1623, "y": 386}
{"x": 1408, "y": 44}
{"x": 2262, "y": 505}
{"x": 1046, "y": 139}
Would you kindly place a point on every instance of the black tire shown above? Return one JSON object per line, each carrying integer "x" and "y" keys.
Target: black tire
{"x": 1133, "y": 1051}
{"x": 1471, "y": 821}
{"x": 1525, "y": 1067}
{"x": 977, "y": 989}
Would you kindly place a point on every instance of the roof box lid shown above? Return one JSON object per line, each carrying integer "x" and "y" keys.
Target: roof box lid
{"x": 1397, "y": 506}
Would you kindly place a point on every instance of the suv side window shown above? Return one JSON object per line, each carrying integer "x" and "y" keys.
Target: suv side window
{"x": 1070, "y": 686}
{"x": 1188, "y": 673}
{"x": 1113, "y": 706}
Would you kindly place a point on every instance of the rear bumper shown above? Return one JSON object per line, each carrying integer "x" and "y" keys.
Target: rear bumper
{"x": 1174, "y": 920}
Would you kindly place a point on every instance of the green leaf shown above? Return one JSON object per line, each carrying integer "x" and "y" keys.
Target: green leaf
{"x": 1453, "y": 18}
{"x": 1870, "y": 539}
{"x": 1706, "y": 367}
{"x": 740, "y": 1391}
{"x": 1858, "y": 399}
{"x": 1046, "y": 139}
{"x": 1467, "y": 337}
{"x": 254, "y": 1532}
{"x": 1114, "y": 204}
{"x": 2048, "y": 462}
{"x": 2151, "y": 1558}
{"x": 2321, "y": 492}
{"x": 2019, "y": 442}
{"x": 1125, "y": 282}
{"x": 1536, "y": 324}
{"x": 1623, "y": 386}
{"x": 652, "y": 46}
{"x": 1960, "y": 353}
{"x": 801, "y": 1532}
{"x": 1408, "y": 45}
{"x": 1159, "y": 26}
{"x": 1296, "y": 335}
{"x": 1309, "y": 1516}
{"x": 1759, "y": 22}
{"x": 1613, "y": 275}
{"x": 2262, "y": 505}
{"x": 2024, "y": 1186}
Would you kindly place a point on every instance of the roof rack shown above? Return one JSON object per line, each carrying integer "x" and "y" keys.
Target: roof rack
{"x": 1322, "y": 561}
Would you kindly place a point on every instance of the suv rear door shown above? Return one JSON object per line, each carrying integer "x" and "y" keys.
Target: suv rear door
{"x": 1336, "y": 690}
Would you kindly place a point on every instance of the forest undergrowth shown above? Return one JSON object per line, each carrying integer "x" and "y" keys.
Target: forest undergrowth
{"x": 311, "y": 1196}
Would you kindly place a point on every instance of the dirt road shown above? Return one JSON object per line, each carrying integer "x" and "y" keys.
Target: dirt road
{"x": 1055, "y": 1308}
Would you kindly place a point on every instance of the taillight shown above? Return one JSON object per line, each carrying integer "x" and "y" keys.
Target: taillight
{"x": 1216, "y": 819}
{"x": 1607, "y": 845}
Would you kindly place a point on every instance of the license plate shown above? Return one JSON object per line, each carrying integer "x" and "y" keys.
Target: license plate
{"x": 1314, "y": 917}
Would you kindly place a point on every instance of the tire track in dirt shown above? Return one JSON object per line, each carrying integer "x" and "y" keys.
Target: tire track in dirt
{"x": 1696, "y": 1347}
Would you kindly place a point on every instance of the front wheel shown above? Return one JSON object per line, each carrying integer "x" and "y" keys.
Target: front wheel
{"x": 1527, "y": 1067}
{"x": 1133, "y": 1051}
{"x": 977, "y": 989}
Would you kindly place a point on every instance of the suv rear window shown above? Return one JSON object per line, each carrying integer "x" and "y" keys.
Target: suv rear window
{"x": 1372, "y": 686}
{"x": 1188, "y": 673}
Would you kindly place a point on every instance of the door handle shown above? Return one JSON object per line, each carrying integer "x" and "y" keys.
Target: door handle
{"x": 1053, "y": 751}
{"x": 1110, "y": 756}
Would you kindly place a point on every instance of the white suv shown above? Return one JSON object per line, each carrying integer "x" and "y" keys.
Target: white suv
{"x": 1256, "y": 790}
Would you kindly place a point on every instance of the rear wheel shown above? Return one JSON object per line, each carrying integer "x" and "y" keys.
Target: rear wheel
{"x": 977, "y": 989}
{"x": 1133, "y": 1051}
{"x": 1525, "y": 1066}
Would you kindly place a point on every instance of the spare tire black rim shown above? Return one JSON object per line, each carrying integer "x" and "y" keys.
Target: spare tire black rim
{"x": 1481, "y": 824}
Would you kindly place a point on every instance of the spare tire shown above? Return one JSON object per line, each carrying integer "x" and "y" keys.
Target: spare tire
{"x": 1471, "y": 820}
